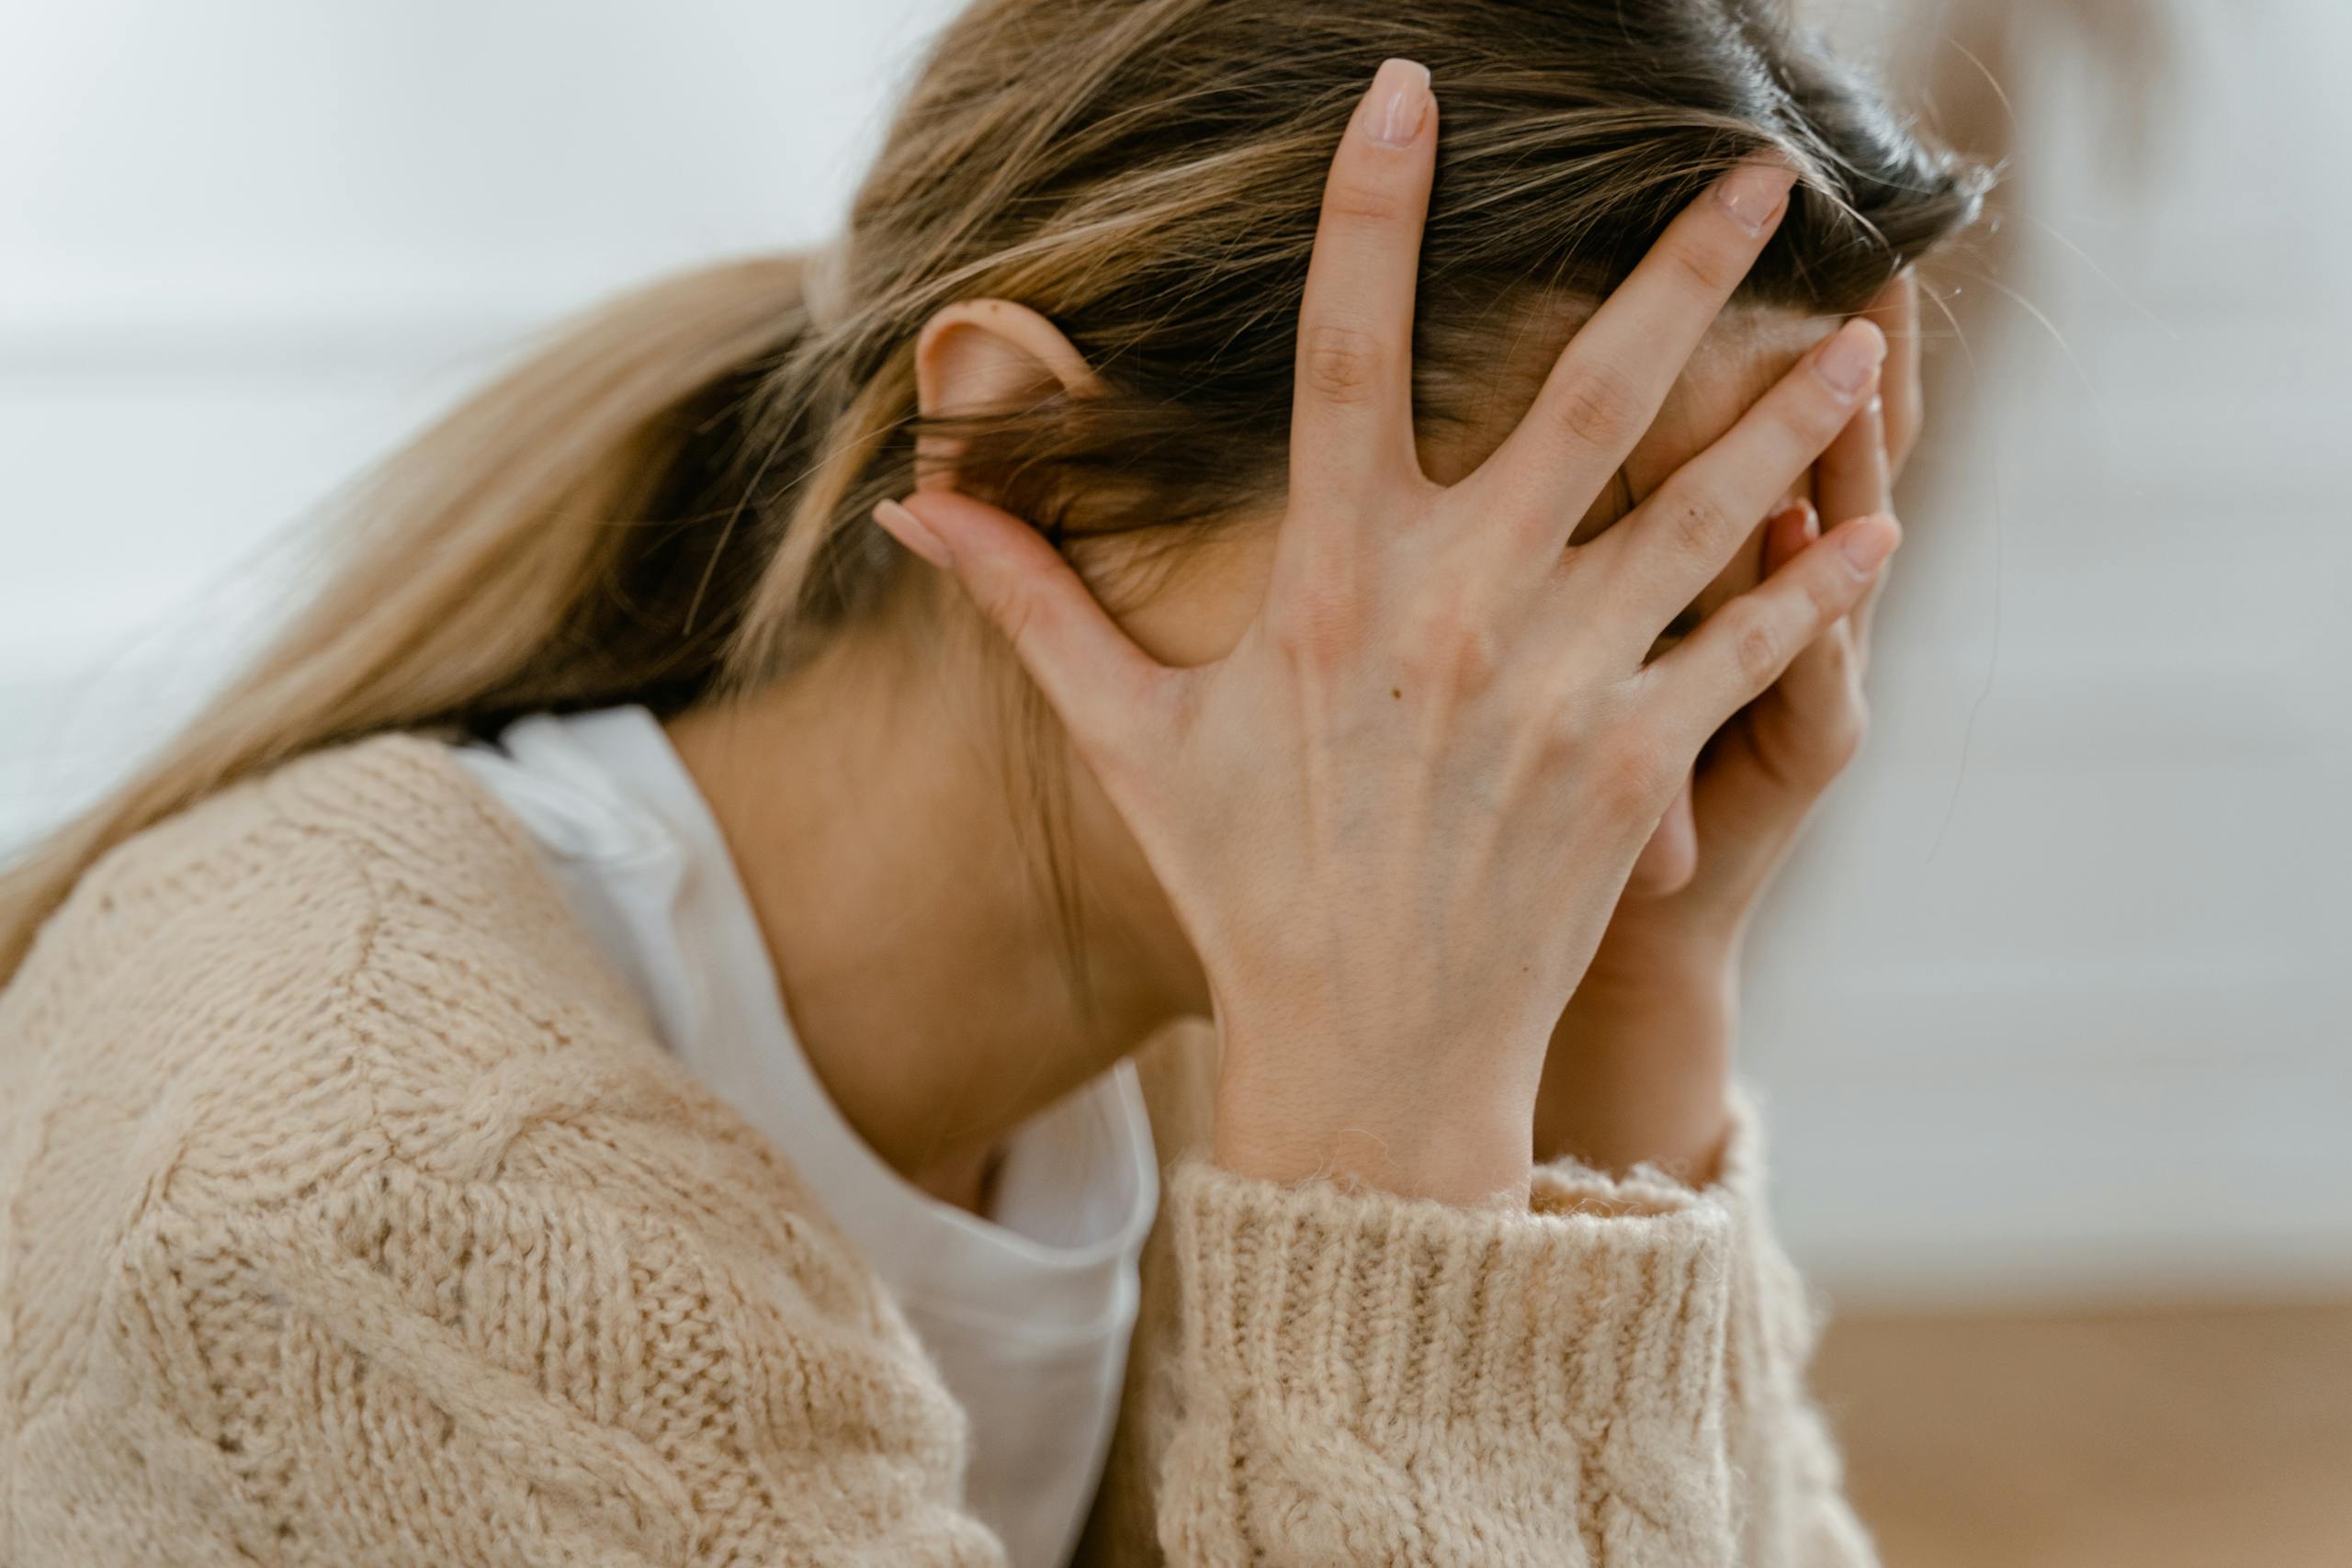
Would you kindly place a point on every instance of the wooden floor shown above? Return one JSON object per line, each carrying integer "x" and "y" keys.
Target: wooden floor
{"x": 2179, "y": 1439}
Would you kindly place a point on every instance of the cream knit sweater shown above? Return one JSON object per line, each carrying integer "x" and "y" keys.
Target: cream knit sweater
{"x": 354, "y": 1216}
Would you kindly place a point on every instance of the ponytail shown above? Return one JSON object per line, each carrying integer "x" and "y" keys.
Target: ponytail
{"x": 546, "y": 542}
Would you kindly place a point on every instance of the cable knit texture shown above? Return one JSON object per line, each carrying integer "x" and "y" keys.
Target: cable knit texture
{"x": 354, "y": 1216}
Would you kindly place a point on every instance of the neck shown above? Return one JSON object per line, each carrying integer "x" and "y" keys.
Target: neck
{"x": 875, "y": 816}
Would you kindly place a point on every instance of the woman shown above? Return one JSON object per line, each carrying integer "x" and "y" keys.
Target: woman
{"x": 624, "y": 1037}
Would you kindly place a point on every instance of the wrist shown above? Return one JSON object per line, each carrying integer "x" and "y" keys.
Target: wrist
{"x": 1640, "y": 1070}
{"x": 1421, "y": 1101}
{"x": 1672, "y": 1006}
{"x": 1614, "y": 1127}
{"x": 1686, "y": 951}
{"x": 1468, "y": 1150}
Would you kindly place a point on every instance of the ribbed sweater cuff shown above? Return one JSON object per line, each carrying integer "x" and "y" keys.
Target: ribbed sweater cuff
{"x": 1739, "y": 1179}
{"x": 1394, "y": 1317}
{"x": 1773, "y": 1322}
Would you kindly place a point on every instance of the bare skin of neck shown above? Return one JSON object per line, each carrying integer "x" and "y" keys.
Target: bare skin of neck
{"x": 878, "y": 807}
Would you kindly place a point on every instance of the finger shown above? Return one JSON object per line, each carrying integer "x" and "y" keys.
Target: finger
{"x": 1812, "y": 725}
{"x": 1850, "y": 480}
{"x": 1667, "y": 548}
{"x": 1795, "y": 740}
{"x": 1094, "y": 675}
{"x": 1896, "y": 311}
{"x": 1863, "y": 618}
{"x": 1820, "y": 667}
{"x": 1816, "y": 714}
{"x": 1609, "y": 382}
{"x": 1787, "y": 533}
{"x": 1740, "y": 650}
{"x": 1352, "y": 414}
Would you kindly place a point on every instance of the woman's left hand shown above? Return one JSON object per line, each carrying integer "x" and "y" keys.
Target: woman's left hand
{"x": 1639, "y": 1065}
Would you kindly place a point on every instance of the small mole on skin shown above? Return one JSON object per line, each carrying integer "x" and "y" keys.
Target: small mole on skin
{"x": 1397, "y": 692}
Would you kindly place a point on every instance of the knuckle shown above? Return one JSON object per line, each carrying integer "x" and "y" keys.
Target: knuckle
{"x": 1756, "y": 648}
{"x": 1708, "y": 267}
{"x": 1797, "y": 421}
{"x": 1451, "y": 648}
{"x": 1340, "y": 362}
{"x": 1633, "y": 776}
{"x": 1814, "y": 418}
{"x": 1700, "y": 524}
{"x": 1828, "y": 596}
{"x": 1364, "y": 199}
{"x": 1571, "y": 730}
{"x": 1317, "y": 628}
{"x": 1598, "y": 407}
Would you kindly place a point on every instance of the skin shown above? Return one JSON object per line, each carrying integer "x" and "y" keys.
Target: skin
{"x": 1387, "y": 899}
{"x": 1641, "y": 1061}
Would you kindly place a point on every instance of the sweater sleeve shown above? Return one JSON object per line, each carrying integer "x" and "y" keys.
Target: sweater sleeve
{"x": 1612, "y": 1376}
{"x": 1787, "y": 1482}
{"x": 451, "y": 1362}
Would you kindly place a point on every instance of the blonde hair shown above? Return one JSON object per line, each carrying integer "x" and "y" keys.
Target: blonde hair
{"x": 672, "y": 500}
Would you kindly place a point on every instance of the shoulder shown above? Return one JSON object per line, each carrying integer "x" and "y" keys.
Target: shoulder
{"x": 333, "y": 1127}
{"x": 350, "y": 970}
{"x": 322, "y": 856}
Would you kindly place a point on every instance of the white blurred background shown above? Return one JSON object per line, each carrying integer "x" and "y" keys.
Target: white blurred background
{"x": 2055, "y": 1009}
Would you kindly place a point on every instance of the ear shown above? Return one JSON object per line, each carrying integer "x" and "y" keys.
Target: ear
{"x": 981, "y": 353}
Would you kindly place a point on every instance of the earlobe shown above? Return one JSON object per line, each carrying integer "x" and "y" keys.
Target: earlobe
{"x": 976, "y": 354}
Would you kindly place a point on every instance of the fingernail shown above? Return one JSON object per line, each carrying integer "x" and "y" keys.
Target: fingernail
{"x": 1796, "y": 518}
{"x": 1812, "y": 520}
{"x": 913, "y": 532}
{"x": 1850, "y": 357}
{"x": 1400, "y": 102}
{"x": 1864, "y": 548}
{"x": 1754, "y": 192}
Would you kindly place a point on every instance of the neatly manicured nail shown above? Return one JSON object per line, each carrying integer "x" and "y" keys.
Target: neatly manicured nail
{"x": 1865, "y": 546}
{"x": 1850, "y": 357}
{"x": 1400, "y": 102}
{"x": 913, "y": 532}
{"x": 1754, "y": 192}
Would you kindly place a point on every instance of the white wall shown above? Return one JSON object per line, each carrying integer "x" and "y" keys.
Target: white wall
{"x": 246, "y": 245}
{"x": 2054, "y": 1003}
{"x": 2059, "y": 1000}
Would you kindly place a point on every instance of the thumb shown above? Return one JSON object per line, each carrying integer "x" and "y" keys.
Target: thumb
{"x": 1089, "y": 669}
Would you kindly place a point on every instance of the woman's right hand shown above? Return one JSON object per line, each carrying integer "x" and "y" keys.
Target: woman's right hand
{"x": 1394, "y": 819}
